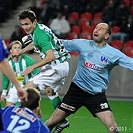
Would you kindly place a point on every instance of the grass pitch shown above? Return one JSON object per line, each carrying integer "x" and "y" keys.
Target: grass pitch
{"x": 83, "y": 122}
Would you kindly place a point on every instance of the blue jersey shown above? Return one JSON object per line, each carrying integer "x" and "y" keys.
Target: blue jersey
{"x": 3, "y": 50}
{"x": 21, "y": 120}
{"x": 95, "y": 64}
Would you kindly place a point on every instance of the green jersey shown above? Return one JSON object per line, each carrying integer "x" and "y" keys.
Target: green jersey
{"x": 45, "y": 40}
{"x": 18, "y": 68}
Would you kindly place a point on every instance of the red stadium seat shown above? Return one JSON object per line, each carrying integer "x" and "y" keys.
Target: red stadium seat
{"x": 115, "y": 29}
{"x": 85, "y": 35}
{"x": 98, "y": 15}
{"x": 88, "y": 29}
{"x": 7, "y": 42}
{"x": 73, "y": 18}
{"x": 128, "y": 48}
{"x": 128, "y": 44}
{"x": 76, "y": 29}
{"x": 128, "y": 52}
{"x": 96, "y": 21}
{"x": 72, "y": 35}
{"x": 117, "y": 44}
{"x": 86, "y": 16}
{"x": 83, "y": 23}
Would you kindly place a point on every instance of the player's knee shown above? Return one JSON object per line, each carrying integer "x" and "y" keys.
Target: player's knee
{"x": 114, "y": 129}
{"x": 49, "y": 92}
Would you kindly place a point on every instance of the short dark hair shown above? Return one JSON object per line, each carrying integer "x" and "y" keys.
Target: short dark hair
{"x": 27, "y": 13}
{"x": 33, "y": 99}
{"x": 109, "y": 30}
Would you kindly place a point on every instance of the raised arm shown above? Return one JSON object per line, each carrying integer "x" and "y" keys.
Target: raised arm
{"x": 6, "y": 69}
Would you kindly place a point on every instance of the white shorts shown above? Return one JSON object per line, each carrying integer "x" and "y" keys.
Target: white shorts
{"x": 12, "y": 96}
{"x": 51, "y": 76}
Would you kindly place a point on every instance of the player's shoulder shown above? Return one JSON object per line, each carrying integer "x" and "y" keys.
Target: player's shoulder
{"x": 8, "y": 108}
{"x": 24, "y": 56}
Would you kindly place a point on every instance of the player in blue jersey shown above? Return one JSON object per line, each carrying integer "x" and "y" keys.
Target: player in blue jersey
{"x": 91, "y": 79}
{"x": 22, "y": 119}
{"x": 6, "y": 69}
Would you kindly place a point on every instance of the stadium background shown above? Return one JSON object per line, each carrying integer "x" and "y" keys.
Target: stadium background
{"x": 119, "y": 93}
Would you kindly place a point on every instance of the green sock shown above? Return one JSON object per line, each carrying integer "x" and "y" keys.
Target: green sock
{"x": 18, "y": 104}
{"x": 55, "y": 102}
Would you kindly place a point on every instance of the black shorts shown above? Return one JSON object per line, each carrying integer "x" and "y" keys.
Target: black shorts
{"x": 76, "y": 98}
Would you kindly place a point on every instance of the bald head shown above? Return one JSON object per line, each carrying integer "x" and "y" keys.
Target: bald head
{"x": 105, "y": 25}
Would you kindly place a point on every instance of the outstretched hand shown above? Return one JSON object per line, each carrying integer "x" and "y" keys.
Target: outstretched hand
{"x": 28, "y": 70}
{"x": 14, "y": 54}
{"x": 23, "y": 95}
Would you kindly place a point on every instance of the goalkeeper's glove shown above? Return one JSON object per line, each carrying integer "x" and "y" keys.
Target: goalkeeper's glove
{"x": 27, "y": 39}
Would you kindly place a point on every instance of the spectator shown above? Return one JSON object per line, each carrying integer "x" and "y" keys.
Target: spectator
{"x": 60, "y": 26}
{"x": 17, "y": 34}
{"x": 108, "y": 13}
{"x": 128, "y": 27}
{"x": 122, "y": 14}
{"x": 46, "y": 13}
{"x": 125, "y": 33}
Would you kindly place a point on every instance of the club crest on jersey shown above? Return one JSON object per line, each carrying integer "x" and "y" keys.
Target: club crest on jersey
{"x": 104, "y": 60}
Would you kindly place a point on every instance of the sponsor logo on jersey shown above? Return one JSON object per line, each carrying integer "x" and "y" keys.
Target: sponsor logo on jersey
{"x": 92, "y": 66}
{"x": 68, "y": 107}
{"x": 22, "y": 112}
{"x": 104, "y": 60}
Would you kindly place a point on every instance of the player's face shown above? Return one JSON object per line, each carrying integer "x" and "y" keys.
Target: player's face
{"x": 15, "y": 48}
{"x": 100, "y": 33}
{"x": 27, "y": 25}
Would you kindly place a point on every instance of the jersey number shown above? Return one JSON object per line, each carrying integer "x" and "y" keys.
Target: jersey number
{"x": 24, "y": 124}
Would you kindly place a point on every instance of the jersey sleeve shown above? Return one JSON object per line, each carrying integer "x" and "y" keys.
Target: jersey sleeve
{"x": 125, "y": 61}
{"x": 44, "y": 129}
{"x": 43, "y": 41}
{"x": 71, "y": 45}
{"x": 3, "y": 50}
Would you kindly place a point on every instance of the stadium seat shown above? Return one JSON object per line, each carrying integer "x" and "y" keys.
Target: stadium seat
{"x": 76, "y": 29}
{"x": 7, "y": 42}
{"x": 128, "y": 52}
{"x": 117, "y": 44}
{"x": 88, "y": 29}
{"x": 85, "y": 35}
{"x": 128, "y": 44}
{"x": 98, "y": 15}
{"x": 73, "y": 18}
{"x": 95, "y": 21}
{"x": 86, "y": 16}
{"x": 83, "y": 22}
{"x": 115, "y": 29}
{"x": 128, "y": 48}
{"x": 72, "y": 35}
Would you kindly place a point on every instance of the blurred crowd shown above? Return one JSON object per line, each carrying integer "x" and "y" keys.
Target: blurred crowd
{"x": 56, "y": 14}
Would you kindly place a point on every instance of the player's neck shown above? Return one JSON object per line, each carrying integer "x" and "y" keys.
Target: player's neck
{"x": 100, "y": 43}
{"x": 16, "y": 59}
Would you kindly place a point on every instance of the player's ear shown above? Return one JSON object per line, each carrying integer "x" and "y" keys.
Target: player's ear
{"x": 107, "y": 36}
